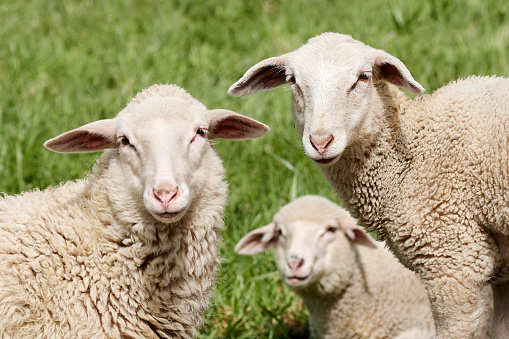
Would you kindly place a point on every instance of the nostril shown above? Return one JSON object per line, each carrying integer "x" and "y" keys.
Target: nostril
{"x": 301, "y": 262}
{"x": 331, "y": 138}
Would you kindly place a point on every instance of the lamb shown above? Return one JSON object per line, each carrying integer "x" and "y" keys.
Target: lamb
{"x": 130, "y": 251}
{"x": 430, "y": 175}
{"x": 351, "y": 287}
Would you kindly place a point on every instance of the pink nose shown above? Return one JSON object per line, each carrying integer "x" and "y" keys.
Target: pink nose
{"x": 320, "y": 143}
{"x": 295, "y": 263}
{"x": 164, "y": 195}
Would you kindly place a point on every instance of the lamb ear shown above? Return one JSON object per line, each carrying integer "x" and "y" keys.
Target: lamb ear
{"x": 265, "y": 75}
{"x": 226, "y": 124}
{"x": 357, "y": 236}
{"x": 256, "y": 241}
{"x": 95, "y": 136}
{"x": 391, "y": 69}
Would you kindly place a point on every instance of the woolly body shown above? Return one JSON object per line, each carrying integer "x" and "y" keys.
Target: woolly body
{"x": 89, "y": 259}
{"x": 351, "y": 287}
{"x": 429, "y": 175}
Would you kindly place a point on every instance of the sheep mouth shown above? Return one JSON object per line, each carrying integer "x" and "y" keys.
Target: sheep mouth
{"x": 296, "y": 280}
{"x": 169, "y": 217}
{"x": 327, "y": 161}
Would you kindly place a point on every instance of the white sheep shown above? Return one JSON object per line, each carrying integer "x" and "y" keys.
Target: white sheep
{"x": 132, "y": 250}
{"x": 351, "y": 287}
{"x": 430, "y": 175}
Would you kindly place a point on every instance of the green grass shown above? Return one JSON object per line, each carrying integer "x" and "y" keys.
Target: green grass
{"x": 66, "y": 63}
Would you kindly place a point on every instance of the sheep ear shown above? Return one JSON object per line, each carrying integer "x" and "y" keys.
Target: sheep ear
{"x": 391, "y": 69}
{"x": 357, "y": 236}
{"x": 256, "y": 241}
{"x": 266, "y": 74}
{"x": 95, "y": 136}
{"x": 225, "y": 124}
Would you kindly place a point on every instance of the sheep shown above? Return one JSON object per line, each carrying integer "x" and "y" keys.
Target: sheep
{"x": 352, "y": 287}
{"x": 130, "y": 251}
{"x": 430, "y": 174}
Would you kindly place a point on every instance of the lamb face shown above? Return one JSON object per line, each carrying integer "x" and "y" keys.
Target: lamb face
{"x": 314, "y": 241}
{"x": 162, "y": 150}
{"x": 307, "y": 252}
{"x": 165, "y": 155}
{"x": 332, "y": 79}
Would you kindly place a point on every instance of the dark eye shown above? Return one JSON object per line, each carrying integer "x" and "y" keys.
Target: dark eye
{"x": 124, "y": 141}
{"x": 364, "y": 76}
{"x": 279, "y": 232}
{"x": 331, "y": 229}
{"x": 201, "y": 131}
{"x": 290, "y": 79}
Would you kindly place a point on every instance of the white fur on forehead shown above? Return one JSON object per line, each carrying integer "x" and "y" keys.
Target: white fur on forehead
{"x": 314, "y": 209}
{"x": 164, "y": 91}
{"x": 329, "y": 37}
{"x": 328, "y": 47}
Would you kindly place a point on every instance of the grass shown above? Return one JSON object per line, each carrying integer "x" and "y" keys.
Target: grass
{"x": 66, "y": 63}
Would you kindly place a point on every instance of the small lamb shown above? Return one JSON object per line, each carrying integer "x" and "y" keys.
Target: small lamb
{"x": 132, "y": 250}
{"x": 429, "y": 175}
{"x": 351, "y": 287}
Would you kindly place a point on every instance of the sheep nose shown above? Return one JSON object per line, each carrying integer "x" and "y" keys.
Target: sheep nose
{"x": 295, "y": 263}
{"x": 320, "y": 143}
{"x": 165, "y": 194}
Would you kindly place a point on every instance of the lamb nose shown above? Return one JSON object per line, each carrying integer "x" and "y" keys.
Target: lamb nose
{"x": 320, "y": 144}
{"x": 165, "y": 195}
{"x": 295, "y": 263}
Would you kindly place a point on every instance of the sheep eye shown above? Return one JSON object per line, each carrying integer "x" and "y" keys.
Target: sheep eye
{"x": 290, "y": 79}
{"x": 124, "y": 141}
{"x": 331, "y": 229}
{"x": 279, "y": 232}
{"x": 364, "y": 76}
{"x": 202, "y": 132}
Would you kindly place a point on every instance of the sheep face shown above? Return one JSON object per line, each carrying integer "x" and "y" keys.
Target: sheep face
{"x": 162, "y": 147}
{"x": 164, "y": 156}
{"x": 314, "y": 241}
{"x": 306, "y": 251}
{"x": 332, "y": 79}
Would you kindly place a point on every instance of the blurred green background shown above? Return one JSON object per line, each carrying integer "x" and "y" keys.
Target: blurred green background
{"x": 66, "y": 63}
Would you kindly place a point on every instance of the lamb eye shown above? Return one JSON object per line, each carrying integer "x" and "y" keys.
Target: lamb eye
{"x": 364, "y": 76}
{"x": 290, "y": 79}
{"x": 124, "y": 141}
{"x": 331, "y": 229}
{"x": 279, "y": 232}
{"x": 201, "y": 131}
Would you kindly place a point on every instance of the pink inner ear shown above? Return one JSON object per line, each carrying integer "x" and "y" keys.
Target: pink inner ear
{"x": 265, "y": 75}
{"x": 392, "y": 74}
{"x": 230, "y": 130}
{"x": 79, "y": 141}
{"x": 226, "y": 124}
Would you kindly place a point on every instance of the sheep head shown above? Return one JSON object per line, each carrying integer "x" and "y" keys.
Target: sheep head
{"x": 163, "y": 146}
{"x": 314, "y": 240}
{"x": 332, "y": 79}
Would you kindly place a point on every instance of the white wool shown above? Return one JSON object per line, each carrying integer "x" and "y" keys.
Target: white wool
{"x": 131, "y": 250}
{"x": 429, "y": 174}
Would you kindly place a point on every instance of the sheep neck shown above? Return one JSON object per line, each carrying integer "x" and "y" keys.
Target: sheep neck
{"x": 328, "y": 310}
{"x": 363, "y": 176}
{"x": 154, "y": 264}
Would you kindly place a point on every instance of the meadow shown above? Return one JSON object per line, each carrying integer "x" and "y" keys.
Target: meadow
{"x": 66, "y": 63}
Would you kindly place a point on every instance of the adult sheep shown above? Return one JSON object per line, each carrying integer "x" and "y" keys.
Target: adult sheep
{"x": 335, "y": 267}
{"x": 430, "y": 175}
{"x": 132, "y": 250}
